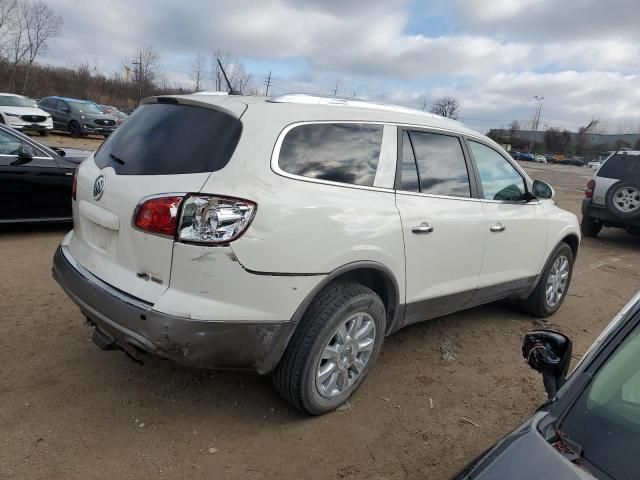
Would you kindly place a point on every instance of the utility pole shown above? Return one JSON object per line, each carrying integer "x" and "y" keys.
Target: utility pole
{"x": 335, "y": 90}
{"x": 137, "y": 64}
{"x": 536, "y": 121}
{"x": 424, "y": 104}
{"x": 267, "y": 83}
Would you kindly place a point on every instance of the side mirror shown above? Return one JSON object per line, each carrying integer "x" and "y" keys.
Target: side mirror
{"x": 25, "y": 154}
{"x": 549, "y": 353}
{"x": 542, "y": 189}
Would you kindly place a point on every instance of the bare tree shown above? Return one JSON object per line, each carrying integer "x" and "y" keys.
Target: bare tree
{"x": 145, "y": 69}
{"x": 41, "y": 25}
{"x": 446, "y": 107}
{"x": 17, "y": 43}
{"x": 7, "y": 10}
{"x": 198, "y": 71}
{"x": 582, "y": 140}
{"x": 514, "y": 127}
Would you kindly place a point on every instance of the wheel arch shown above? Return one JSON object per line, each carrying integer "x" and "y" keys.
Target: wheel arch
{"x": 573, "y": 240}
{"x": 373, "y": 275}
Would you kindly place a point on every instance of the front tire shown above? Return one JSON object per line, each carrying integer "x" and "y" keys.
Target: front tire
{"x": 333, "y": 348}
{"x": 44, "y": 133}
{"x": 553, "y": 284}
{"x": 75, "y": 130}
{"x": 589, "y": 227}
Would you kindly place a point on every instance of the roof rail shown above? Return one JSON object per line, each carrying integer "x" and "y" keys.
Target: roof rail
{"x": 311, "y": 99}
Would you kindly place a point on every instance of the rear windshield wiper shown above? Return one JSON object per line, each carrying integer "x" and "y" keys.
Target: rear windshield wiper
{"x": 116, "y": 159}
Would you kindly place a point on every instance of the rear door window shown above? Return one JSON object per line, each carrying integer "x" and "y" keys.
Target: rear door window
{"x": 338, "y": 152}
{"x": 168, "y": 139}
{"x": 621, "y": 167}
{"x": 441, "y": 167}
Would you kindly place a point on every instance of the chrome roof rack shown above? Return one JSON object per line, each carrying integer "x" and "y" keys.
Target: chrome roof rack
{"x": 311, "y": 99}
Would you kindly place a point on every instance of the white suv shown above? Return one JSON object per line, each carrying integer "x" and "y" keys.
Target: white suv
{"x": 612, "y": 196}
{"x": 291, "y": 235}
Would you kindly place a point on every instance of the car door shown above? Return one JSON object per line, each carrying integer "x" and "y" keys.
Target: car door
{"x": 516, "y": 226}
{"x": 30, "y": 188}
{"x": 63, "y": 114}
{"x": 444, "y": 227}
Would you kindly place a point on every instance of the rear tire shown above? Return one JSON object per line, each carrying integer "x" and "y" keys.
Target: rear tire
{"x": 589, "y": 227}
{"x": 331, "y": 325}
{"x": 43, "y": 133}
{"x": 552, "y": 286}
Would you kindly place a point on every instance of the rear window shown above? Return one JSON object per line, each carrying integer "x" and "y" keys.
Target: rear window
{"x": 621, "y": 167}
{"x": 340, "y": 152}
{"x": 166, "y": 139}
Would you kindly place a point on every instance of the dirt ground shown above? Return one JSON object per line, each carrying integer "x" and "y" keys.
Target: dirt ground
{"x": 71, "y": 411}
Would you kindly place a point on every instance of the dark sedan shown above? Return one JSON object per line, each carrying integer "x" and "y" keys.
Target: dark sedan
{"x": 35, "y": 180}
{"x": 590, "y": 426}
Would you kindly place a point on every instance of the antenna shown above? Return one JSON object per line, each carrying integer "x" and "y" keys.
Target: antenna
{"x": 231, "y": 90}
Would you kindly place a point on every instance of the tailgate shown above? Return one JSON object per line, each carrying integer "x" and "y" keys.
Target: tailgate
{"x": 106, "y": 243}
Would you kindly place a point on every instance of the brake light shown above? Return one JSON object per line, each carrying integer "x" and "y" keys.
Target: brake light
{"x": 214, "y": 220}
{"x": 74, "y": 185}
{"x": 591, "y": 186}
{"x": 158, "y": 215}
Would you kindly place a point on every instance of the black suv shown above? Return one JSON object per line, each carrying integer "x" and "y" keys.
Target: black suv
{"x": 78, "y": 117}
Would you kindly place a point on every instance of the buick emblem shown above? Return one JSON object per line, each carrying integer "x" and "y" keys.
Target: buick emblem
{"x": 98, "y": 187}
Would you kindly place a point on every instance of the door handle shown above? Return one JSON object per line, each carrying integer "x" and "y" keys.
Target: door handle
{"x": 424, "y": 227}
{"x": 498, "y": 227}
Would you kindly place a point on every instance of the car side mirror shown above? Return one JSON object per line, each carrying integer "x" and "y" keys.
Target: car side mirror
{"x": 25, "y": 155}
{"x": 542, "y": 189}
{"x": 549, "y": 353}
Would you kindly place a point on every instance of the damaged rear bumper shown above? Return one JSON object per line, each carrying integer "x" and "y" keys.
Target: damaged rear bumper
{"x": 133, "y": 325}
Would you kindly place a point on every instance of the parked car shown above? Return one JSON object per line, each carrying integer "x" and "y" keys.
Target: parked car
{"x": 594, "y": 165}
{"x": 612, "y": 196}
{"x": 527, "y": 157}
{"x": 590, "y": 426}
{"x": 78, "y": 117}
{"x": 120, "y": 116}
{"x": 573, "y": 161}
{"x": 20, "y": 113}
{"x": 302, "y": 239}
{"x": 35, "y": 180}
{"x": 540, "y": 159}
{"x": 552, "y": 159}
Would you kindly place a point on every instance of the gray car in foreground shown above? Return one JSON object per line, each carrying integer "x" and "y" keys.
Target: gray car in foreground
{"x": 590, "y": 426}
{"x": 78, "y": 117}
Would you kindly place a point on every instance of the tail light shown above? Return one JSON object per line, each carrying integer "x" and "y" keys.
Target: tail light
{"x": 214, "y": 220}
{"x": 74, "y": 185}
{"x": 591, "y": 186}
{"x": 206, "y": 219}
{"x": 158, "y": 215}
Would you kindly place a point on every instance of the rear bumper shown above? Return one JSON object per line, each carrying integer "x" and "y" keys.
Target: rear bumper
{"x": 602, "y": 214}
{"x": 132, "y": 325}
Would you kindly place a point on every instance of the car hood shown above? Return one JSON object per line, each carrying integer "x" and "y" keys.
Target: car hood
{"x": 24, "y": 111}
{"x": 525, "y": 455}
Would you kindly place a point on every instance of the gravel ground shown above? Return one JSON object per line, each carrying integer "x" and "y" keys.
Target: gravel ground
{"x": 69, "y": 410}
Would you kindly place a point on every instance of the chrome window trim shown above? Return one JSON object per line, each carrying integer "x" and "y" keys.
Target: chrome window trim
{"x": 275, "y": 155}
{"x": 35, "y": 158}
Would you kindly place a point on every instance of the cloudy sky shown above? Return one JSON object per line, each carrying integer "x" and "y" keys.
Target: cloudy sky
{"x": 583, "y": 56}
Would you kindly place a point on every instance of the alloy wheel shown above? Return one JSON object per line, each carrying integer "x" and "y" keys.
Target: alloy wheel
{"x": 345, "y": 355}
{"x": 627, "y": 199}
{"x": 557, "y": 281}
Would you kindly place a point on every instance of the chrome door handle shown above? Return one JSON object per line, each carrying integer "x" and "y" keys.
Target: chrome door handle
{"x": 498, "y": 227}
{"x": 424, "y": 227}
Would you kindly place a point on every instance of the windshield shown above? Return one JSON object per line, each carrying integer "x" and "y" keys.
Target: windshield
{"x": 83, "y": 107}
{"x": 11, "y": 101}
{"x": 605, "y": 421}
